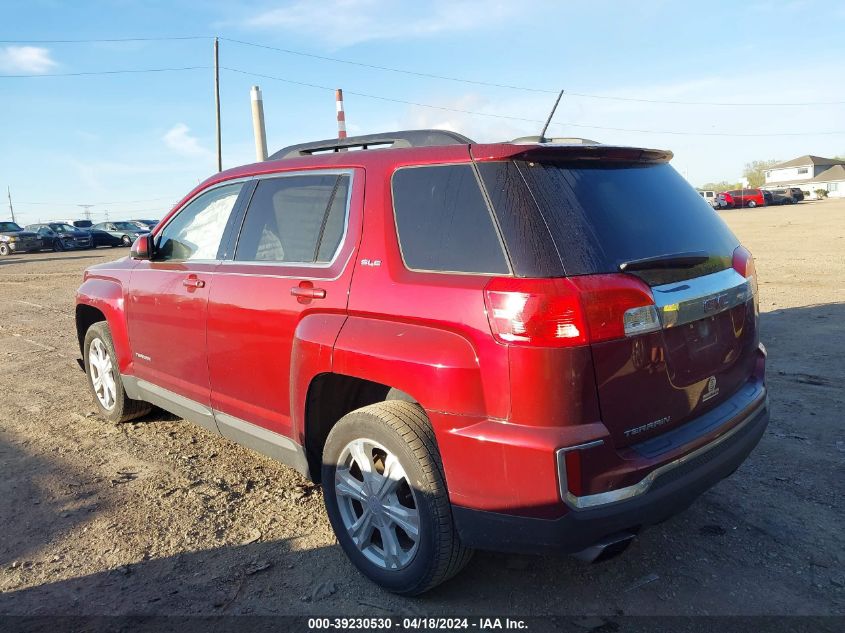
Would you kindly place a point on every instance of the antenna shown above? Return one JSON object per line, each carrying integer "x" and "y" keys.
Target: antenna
{"x": 549, "y": 120}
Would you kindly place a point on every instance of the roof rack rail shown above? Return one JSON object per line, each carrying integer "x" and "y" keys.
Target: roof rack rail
{"x": 405, "y": 138}
{"x": 571, "y": 140}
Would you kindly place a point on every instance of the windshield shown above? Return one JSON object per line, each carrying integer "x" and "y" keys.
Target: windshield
{"x": 9, "y": 226}
{"x": 63, "y": 228}
{"x": 126, "y": 226}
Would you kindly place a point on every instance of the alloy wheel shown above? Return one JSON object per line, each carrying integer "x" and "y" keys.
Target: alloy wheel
{"x": 102, "y": 374}
{"x": 377, "y": 504}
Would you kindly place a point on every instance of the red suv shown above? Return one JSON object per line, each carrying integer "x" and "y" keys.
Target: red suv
{"x": 742, "y": 198}
{"x": 470, "y": 345}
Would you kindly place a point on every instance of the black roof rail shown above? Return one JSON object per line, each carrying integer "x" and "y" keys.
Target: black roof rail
{"x": 405, "y": 138}
{"x": 570, "y": 140}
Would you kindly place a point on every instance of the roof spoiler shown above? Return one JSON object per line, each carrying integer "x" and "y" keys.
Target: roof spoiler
{"x": 404, "y": 138}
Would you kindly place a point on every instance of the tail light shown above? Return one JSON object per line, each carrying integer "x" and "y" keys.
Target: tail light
{"x": 569, "y": 312}
{"x": 743, "y": 263}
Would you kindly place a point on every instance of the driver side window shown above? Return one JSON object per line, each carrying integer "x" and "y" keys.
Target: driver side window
{"x": 197, "y": 229}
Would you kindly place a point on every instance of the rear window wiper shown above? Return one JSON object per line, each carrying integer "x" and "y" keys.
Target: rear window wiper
{"x": 674, "y": 260}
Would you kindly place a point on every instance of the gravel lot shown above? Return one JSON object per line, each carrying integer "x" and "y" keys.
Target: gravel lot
{"x": 160, "y": 517}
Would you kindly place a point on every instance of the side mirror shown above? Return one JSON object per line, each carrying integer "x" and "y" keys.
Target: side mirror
{"x": 142, "y": 248}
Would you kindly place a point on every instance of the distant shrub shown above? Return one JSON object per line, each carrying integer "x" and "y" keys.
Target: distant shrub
{"x": 821, "y": 193}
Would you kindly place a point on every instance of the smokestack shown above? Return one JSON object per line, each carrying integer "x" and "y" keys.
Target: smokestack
{"x": 258, "y": 124}
{"x": 341, "y": 115}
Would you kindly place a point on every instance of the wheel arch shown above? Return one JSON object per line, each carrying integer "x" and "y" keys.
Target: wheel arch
{"x": 330, "y": 397}
{"x": 102, "y": 300}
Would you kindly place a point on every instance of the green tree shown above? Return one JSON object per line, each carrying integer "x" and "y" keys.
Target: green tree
{"x": 755, "y": 171}
{"x": 719, "y": 186}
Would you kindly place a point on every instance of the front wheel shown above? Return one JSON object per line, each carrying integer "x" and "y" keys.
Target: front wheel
{"x": 386, "y": 497}
{"x": 127, "y": 241}
{"x": 104, "y": 377}
{"x": 4, "y": 249}
{"x": 58, "y": 245}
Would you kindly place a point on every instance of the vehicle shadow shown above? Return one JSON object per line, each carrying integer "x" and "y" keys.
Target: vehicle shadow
{"x": 56, "y": 256}
{"x": 40, "y": 498}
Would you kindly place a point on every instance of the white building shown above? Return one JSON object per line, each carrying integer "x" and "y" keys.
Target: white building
{"x": 809, "y": 173}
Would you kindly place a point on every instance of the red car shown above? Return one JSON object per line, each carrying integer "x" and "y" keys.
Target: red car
{"x": 471, "y": 346}
{"x": 742, "y": 198}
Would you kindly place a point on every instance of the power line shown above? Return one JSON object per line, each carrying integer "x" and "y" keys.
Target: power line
{"x": 385, "y": 68}
{"x": 526, "y": 120}
{"x": 405, "y": 71}
{"x": 112, "y": 202}
{"x": 106, "y": 72}
{"x": 113, "y": 39}
{"x": 584, "y": 95}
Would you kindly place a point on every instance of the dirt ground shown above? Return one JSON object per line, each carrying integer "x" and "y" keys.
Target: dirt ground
{"x": 161, "y": 517}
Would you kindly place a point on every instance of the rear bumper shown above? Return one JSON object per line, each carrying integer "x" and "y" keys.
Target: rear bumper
{"x": 672, "y": 489}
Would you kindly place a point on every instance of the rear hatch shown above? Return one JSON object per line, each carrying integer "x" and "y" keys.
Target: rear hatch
{"x": 644, "y": 220}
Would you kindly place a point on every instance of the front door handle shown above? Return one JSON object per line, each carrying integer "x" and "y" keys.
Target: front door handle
{"x": 308, "y": 293}
{"x": 193, "y": 282}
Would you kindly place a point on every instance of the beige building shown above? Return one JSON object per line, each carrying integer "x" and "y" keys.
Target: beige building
{"x": 809, "y": 173}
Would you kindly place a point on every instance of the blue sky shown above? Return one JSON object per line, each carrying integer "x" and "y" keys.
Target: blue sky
{"x": 133, "y": 144}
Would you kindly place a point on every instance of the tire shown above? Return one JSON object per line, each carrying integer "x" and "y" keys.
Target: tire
{"x": 751, "y": 204}
{"x": 4, "y": 249}
{"x": 58, "y": 246}
{"x": 122, "y": 408}
{"x": 399, "y": 434}
{"x": 126, "y": 240}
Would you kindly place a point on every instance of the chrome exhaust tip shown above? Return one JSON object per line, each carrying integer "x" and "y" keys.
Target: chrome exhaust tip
{"x": 606, "y": 548}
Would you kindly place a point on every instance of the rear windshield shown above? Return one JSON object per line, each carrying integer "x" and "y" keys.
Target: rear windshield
{"x": 600, "y": 216}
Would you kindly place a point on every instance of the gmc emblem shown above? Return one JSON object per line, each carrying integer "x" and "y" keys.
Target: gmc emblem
{"x": 712, "y": 304}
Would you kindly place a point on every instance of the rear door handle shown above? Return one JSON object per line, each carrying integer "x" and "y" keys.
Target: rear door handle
{"x": 193, "y": 282}
{"x": 308, "y": 293}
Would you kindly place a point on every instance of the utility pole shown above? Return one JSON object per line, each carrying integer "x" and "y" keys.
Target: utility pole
{"x": 11, "y": 208}
{"x": 107, "y": 216}
{"x": 258, "y": 124}
{"x": 217, "y": 101}
{"x": 87, "y": 211}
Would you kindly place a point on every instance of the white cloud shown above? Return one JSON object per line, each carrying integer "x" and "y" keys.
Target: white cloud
{"x": 345, "y": 22}
{"x": 179, "y": 139}
{"x": 26, "y": 59}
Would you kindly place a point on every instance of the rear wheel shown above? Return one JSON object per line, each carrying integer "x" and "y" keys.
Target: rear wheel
{"x": 104, "y": 377}
{"x": 386, "y": 498}
{"x": 127, "y": 241}
{"x": 751, "y": 204}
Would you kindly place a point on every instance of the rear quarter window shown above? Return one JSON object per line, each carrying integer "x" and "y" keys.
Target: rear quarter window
{"x": 443, "y": 222}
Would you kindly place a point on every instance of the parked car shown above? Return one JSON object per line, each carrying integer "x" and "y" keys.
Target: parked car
{"x": 797, "y": 194}
{"x": 146, "y": 224}
{"x": 504, "y": 349}
{"x": 709, "y": 197}
{"x": 14, "y": 239}
{"x": 724, "y": 200}
{"x": 781, "y": 196}
{"x": 747, "y": 198}
{"x": 105, "y": 238}
{"x": 127, "y": 232}
{"x": 60, "y": 236}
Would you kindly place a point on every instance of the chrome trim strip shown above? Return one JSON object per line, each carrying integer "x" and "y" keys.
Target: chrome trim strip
{"x": 701, "y": 297}
{"x": 140, "y": 389}
{"x": 346, "y": 215}
{"x": 642, "y": 486}
{"x": 579, "y": 447}
{"x": 227, "y": 421}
